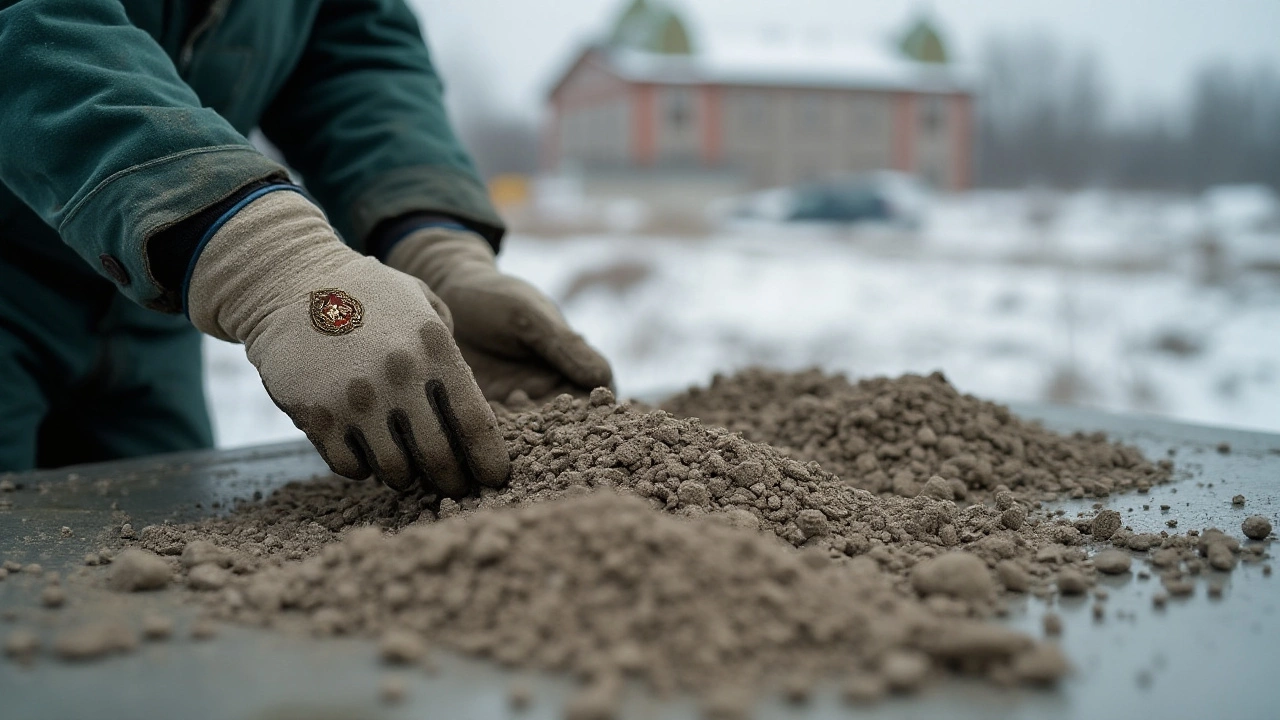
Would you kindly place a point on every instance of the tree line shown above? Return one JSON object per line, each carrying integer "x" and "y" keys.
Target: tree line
{"x": 1045, "y": 117}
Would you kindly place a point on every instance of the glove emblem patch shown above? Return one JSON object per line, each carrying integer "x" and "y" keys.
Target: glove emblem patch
{"x": 334, "y": 312}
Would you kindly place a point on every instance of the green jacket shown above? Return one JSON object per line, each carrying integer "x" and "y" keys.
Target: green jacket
{"x": 120, "y": 118}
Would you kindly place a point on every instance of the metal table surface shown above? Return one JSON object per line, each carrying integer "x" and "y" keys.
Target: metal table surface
{"x": 1198, "y": 658}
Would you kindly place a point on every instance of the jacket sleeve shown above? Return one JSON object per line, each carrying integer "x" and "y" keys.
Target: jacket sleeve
{"x": 362, "y": 120}
{"x": 103, "y": 140}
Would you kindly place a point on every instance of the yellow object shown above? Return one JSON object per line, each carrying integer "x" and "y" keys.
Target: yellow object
{"x": 509, "y": 190}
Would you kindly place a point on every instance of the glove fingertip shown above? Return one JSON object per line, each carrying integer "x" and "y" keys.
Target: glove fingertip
{"x": 583, "y": 365}
{"x": 493, "y": 469}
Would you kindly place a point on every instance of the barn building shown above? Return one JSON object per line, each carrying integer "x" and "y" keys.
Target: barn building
{"x": 653, "y": 101}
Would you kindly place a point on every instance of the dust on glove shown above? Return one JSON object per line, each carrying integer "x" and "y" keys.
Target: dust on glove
{"x": 356, "y": 353}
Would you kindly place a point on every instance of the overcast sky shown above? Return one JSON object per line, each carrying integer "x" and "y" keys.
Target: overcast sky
{"x": 1148, "y": 49}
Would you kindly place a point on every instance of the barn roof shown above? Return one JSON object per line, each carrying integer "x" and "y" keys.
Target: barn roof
{"x": 778, "y": 62}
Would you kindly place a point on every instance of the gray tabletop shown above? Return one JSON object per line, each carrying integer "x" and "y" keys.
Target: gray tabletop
{"x": 1198, "y": 658}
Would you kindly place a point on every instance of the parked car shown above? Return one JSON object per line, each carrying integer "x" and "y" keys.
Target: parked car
{"x": 887, "y": 198}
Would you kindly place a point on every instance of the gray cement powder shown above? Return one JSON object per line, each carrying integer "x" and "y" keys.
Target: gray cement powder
{"x": 890, "y": 436}
{"x": 632, "y": 543}
{"x": 604, "y": 588}
{"x": 680, "y": 466}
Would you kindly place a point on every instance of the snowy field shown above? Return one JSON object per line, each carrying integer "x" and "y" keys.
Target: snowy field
{"x": 1128, "y": 303}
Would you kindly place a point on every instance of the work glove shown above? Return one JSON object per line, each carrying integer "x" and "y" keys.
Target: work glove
{"x": 512, "y": 335}
{"x": 357, "y": 354}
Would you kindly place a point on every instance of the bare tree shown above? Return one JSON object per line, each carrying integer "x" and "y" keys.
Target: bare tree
{"x": 1043, "y": 120}
{"x": 499, "y": 140}
{"x": 1235, "y": 126}
{"x": 1042, "y": 113}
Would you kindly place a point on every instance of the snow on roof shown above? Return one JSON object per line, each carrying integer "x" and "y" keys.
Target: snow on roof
{"x": 787, "y": 61}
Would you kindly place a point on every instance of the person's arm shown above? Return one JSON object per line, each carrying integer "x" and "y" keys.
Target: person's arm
{"x": 362, "y": 119}
{"x": 106, "y": 143}
{"x": 100, "y": 136}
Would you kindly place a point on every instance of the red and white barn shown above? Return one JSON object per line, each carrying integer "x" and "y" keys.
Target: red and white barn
{"x": 769, "y": 111}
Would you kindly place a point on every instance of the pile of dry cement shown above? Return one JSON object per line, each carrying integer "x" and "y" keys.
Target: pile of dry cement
{"x": 685, "y": 467}
{"x": 886, "y": 591}
{"x": 603, "y": 587}
{"x": 890, "y": 435}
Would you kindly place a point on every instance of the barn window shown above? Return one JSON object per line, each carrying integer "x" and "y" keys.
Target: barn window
{"x": 931, "y": 117}
{"x": 679, "y": 107}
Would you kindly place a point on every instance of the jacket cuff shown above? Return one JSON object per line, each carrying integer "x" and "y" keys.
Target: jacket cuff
{"x": 225, "y": 211}
{"x": 171, "y": 251}
{"x": 430, "y": 190}
{"x": 389, "y": 234}
{"x": 113, "y": 224}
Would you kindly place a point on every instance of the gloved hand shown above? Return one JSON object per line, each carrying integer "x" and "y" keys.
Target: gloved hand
{"x": 511, "y": 334}
{"x": 353, "y": 351}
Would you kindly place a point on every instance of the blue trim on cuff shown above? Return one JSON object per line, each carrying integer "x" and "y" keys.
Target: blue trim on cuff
{"x": 387, "y": 245}
{"x": 217, "y": 225}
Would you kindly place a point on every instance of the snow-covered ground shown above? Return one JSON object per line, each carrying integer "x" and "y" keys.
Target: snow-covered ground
{"x": 1124, "y": 302}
